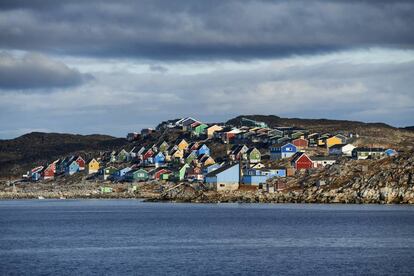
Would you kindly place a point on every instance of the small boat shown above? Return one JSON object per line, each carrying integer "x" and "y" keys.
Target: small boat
{"x": 40, "y": 197}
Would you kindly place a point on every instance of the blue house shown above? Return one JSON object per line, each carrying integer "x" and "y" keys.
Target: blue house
{"x": 391, "y": 152}
{"x": 159, "y": 159}
{"x": 282, "y": 151}
{"x": 211, "y": 168}
{"x": 225, "y": 178}
{"x": 256, "y": 177}
{"x": 72, "y": 168}
{"x": 203, "y": 150}
{"x": 120, "y": 174}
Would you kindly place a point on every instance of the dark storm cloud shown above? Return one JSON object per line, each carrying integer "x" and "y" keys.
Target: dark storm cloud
{"x": 204, "y": 29}
{"x": 36, "y": 71}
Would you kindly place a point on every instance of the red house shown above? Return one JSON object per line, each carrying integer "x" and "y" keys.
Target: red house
{"x": 300, "y": 143}
{"x": 149, "y": 153}
{"x": 158, "y": 174}
{"x": 49, "y": 172}
{"x": 81, "y": 163}
{"x": 301, "y": 161}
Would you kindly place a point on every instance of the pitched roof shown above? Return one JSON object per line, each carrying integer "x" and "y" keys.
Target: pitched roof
{"x": 221, "y": 169}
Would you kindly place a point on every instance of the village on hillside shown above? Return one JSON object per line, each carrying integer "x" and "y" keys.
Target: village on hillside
{"x": 213, "y": 156}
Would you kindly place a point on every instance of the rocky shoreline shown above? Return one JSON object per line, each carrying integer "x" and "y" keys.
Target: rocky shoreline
{"x": 386, "y": 181}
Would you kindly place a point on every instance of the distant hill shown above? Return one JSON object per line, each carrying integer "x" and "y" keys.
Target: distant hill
{"x": 319, "y": 125}
{"x": 409, "y": 128}
{"x": 21, "y": 153}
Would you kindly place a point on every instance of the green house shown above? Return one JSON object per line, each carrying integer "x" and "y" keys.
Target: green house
{"x": 165, "y": 176}
{"x": 198, "y": 130}
{"x": 297, "y": 134}
{"x": 137, "y": 175}
{"x": 190, "y": 157}
{"x": 106, "y": 190}
{"x": 181, "y": 172}
{"x": 108, "y": 171}
{"x": 122, "y": 156}
{"x": 254, "y": 155}
{"x": 163, "y": 147}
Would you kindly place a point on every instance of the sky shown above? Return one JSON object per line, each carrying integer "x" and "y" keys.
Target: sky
{"x": 113, "y": 67}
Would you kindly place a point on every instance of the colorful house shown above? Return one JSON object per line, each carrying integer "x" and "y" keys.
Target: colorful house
{"x": 72, "y": 168}
{"x": 391, "y": 152}
{"x": 190, "y": 157}
{"x": 92, "y": 166}
{"x": 107, "y": 172}
{"x": 199, "y": 129}
{"x": 137, "y": 175}
{"x": 183, "y": 145}
{"x": 253, "y": 155}
{"x": 162, "y": 146}
{"x": 225, "y": 178}
{"x": 159, "y": 158}
{"x": 323, "y": 161}
{"x": 122, "y": 156}
{"x": 301, "y": 161}
{"x": 342, "y": 149}
{"x": 205, "y": 160}
{"x": 334, "y": 140}
{"x": 120, "y": 174}
{"x": 368, "y": 153}
{"x": 157, "y": 174}
{"x": 181, "y": 172}
{"x": 212, "y": 129}
{"x": 300, "y": 143}
{"x": 49, "y": 172}
{"x": 81, "y": 162}
{"x": 177, "y": 154}
{"x": 282, "y": 151}
{"x": 203, "y": 150}
{"x": 210, "y": 168}
{"x": 148, "y": 156}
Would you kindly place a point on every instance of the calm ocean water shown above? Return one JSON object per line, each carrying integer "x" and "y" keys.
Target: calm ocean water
{"x": 107, "y": 237}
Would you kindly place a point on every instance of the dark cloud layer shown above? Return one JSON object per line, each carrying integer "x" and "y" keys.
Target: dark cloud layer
{"x": 36, "y": 71}
{"x": 216, "y": 29}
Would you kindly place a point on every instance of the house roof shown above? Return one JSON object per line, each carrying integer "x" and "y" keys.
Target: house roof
{"x": 369, "y": 149}
{"x": 337, "y": 146}
{"x": 323, "y": 158}
{"x": 221, "y": 169}
{"x": 298, "y": 155}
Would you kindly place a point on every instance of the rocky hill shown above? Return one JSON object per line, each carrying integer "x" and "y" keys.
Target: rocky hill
{"x": 22, "y": 153}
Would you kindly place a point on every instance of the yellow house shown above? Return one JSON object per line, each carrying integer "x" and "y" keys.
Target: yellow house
{"x": 212, "y": 129}
{"x": 178, "y": 154}
{"x": 331, "y": 141}
{"x": 93, "y": 166}
{"x": 183, "y": 145}
{"x": 209, "y": 161}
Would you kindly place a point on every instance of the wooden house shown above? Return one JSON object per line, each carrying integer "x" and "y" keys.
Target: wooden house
{"x": 92, "y": 166}
{"x": 205, "y": 160}
{"x": 181, "y": 172}
{"x": 157, "y": 174}
{"x": 182, "y": 145}
{"x": 81, "y": 162}
{"x": 162, "y": 146}
{"x": 122, "y": 156}
{"x": 212, "y": 129}
{"x": 190, "y": 157}
{"x": 159, "y": 159}
{"x": 341, "y": 149}
{"x": 323, "y": 161}
{"x": 301, "y": 161}
{"x": 391, "y": 152}
{"x": 137, "y": 175}
{"x": 107, "y": 172}
{"x": 253, "y": 155}
{"x": 300, "y": 143}
{"x": 225, "y": 178}
{"x": 368, "y": 153}
{"x": 199, "y": 129}
{"x": 334, "y": 140}
{"x": 203, "y": 149}
{"x": 49, "y": 171}
{"x": 195, "y": 173}
{"x": 281, "y": 151}
{"x": 72, "y": 168}
{"x": 36, "y": 173}
{"x": 238, "y": 152}
{"x": 119, "y": 174}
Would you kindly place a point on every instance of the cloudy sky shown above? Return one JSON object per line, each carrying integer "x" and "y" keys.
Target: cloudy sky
{"x": 113, "y": 67}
